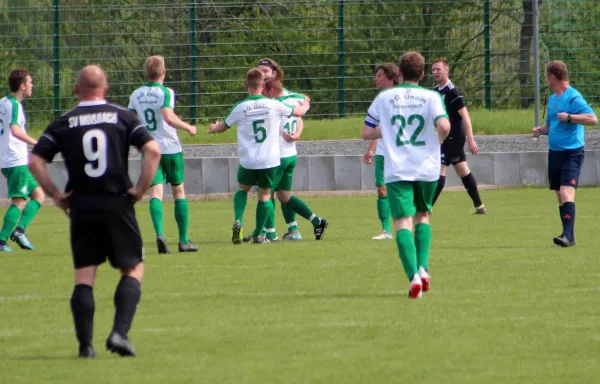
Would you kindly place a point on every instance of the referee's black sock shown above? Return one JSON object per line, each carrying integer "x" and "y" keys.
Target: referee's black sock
{"x": 82, "y": 307}
{"x": 568, "y": 217}
{"x": 127, "y": 297}
{"x": 440, "y": 187}
{"x": 471, "y": 187}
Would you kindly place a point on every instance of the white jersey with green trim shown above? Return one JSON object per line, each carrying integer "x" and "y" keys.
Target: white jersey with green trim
{"x": 13, "y": 152}
{"x": 407, "y": 114}
{"x": 148, "y": 102}
{"x": 289, "y": 125}
{"x": 258, "y": 119}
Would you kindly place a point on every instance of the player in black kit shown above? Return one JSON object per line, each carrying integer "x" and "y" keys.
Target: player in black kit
{"x": 94, "y": 139}
{"x": 453, "y": 152}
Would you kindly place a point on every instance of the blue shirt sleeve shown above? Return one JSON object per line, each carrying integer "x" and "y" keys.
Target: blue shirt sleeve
{"x": 579, "y": 106}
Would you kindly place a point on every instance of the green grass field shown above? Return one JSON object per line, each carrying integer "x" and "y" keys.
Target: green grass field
{"x": 505, "y": 307}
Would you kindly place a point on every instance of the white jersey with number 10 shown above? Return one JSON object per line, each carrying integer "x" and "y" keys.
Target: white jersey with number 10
{"x": 407, "y": 115}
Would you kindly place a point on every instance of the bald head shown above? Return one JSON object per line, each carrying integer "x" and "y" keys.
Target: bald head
{"x": 91, "y": 83}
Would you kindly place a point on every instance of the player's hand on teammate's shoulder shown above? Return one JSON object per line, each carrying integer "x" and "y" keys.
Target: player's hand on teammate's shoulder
{"x": 368, "y": 157}
{"x": 192, "y": 130}
{"x": 473, "y": 147}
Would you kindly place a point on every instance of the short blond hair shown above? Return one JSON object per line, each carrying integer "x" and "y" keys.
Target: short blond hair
{"x": 154, "y": 66}
{"x": 254, "y": 78}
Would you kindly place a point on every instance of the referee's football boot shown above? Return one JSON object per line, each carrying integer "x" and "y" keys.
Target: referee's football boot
{"x": 86, "y": 351}
{"x": 480, "y": 210}
{"x": 187, "y": 247}
{"x": 238, "y": 233}
{"x": 119, "y": 345}
{"x": 19, "y": 237}
{"x": 563, "y": 241}
{"x": 161, "y": 244}
{"x": 319, "y": 230}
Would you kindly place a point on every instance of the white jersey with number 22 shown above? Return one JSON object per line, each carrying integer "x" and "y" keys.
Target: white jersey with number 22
{"x": 407, "y": 115}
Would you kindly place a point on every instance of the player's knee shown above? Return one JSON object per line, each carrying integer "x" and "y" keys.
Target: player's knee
{"x": 443, "y": 169}
{"x": 264, "y": 194}
{"x": 245, "y": 188}
{"x": 284, "y": 196}
{"x": 136, "y": 272}
{"x": 566, "y": 194}
{"x": 178, "y": 191}
{"x": 422, "y": 218}
{"x": 381, "y": 191}
{"x": 85, "y": 275}
{"x": 156, "y": 191}
{"x": 462, "y": 169}
{"x": 19, "y": 202}
{"x": 38, "y": 195}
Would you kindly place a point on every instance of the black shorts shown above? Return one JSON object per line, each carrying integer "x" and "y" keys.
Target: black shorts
{"x": 564, "y": 167}
{"x": 453, "y": 151}
{"x": 104, "y": 227}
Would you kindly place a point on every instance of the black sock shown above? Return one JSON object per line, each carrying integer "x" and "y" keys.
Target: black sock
{"x": 569, "y": 220}
{"x": 127, "y": 297}
{"x": 471, "y": 187}
{"x": 561, "y": 213}
{"x": 440, "y": 187}
{"x": 82, "y": 307}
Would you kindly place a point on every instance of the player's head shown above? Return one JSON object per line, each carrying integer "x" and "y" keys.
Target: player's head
{"x": 556, "y": 72}
{"x": 440, "y": 70}
{"x": 91, "y": 83}
{"x": 270, "y": 68}
{"x": 155, "y": 68}
{"x": 386, "y": 76}
{"x": 255, "y": 81}
{"x": 20, "y": 80}
{"x": 273, "y": 88}
{"x": 412, "y": 66}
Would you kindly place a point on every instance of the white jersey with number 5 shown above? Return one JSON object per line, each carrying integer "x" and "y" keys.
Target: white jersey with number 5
{"x": 13, "y": 152}
{"x": 407, "y": 115}
{"x": 147, "y": 102}
{"x": 289, "y": 125}
{"x": 258, "y": 119}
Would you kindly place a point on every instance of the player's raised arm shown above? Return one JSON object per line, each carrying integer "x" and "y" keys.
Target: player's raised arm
{"x": 301, "y": 110}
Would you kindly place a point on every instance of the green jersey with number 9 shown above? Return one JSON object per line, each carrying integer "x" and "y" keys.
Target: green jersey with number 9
{"x": 148, "y": 102}
{"x": 258, "y": 119}
{"x": 407, "y": 115}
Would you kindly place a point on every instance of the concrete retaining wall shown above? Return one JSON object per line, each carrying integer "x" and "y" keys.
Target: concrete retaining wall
{"x": 348, "y": 173}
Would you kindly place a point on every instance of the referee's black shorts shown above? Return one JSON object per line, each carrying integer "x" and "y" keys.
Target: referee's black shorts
{"x": 453, "y": 150}
{"x": 104, "y": 226}
{"x": 564, "y": 167}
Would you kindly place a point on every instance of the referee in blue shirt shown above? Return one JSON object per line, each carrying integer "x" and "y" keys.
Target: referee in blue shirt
{"x": 567, "y": 113}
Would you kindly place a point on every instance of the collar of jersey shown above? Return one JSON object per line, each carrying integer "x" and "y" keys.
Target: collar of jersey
{"x": 445, "y": 85}
{"x": 153, "y": 84}
{"x": 255, "y": 97}
{"x": 406, "y": 85}
{"x": 91, "y": 103}
{"x": 11, "y": 97}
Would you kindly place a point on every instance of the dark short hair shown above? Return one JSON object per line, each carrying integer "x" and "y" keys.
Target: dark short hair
{"x": 559, "y": 69}
{"x": 390, "y": 71}
{"x": 17, "y": 78}
{"x": 412, "y": 66}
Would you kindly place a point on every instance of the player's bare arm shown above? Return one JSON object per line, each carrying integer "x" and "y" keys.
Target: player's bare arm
{"x": 538, "y": 131}
{"x": 37, "y": 167}
{"x": 301, "y": 110}
{"x": 20, "y": 134}
{"x": 370, "y": 133}
{"x": 443, "y": 128}
{"x": 468, "y": 130}
{"x": 171, "y": 118}
{"x": 368, "y": 156}
{"x": 583, "y": 119}
{"x": 217, "y": 127}
{"x": 151, "y": 157}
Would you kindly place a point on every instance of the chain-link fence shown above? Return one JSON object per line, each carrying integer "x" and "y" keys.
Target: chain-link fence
{"x": 328, "y": 48}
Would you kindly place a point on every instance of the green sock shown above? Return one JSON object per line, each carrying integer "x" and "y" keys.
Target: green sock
{"x": 11, "y": 217}
{"x": 156, "y": 213}
{"x": 302, "y": 209}
{"x": 289, "y": 216}
{"x": 263, "y": 209}
{"x": 239, "y": 205}
{"x": 423, "y": 244}
{"x": 270, "y": 224}
{"x": 182, "y": 219}
{"x": 383, "y": 210}
{"x": 407, "y": 251}
{"x": 28, "y": 214}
